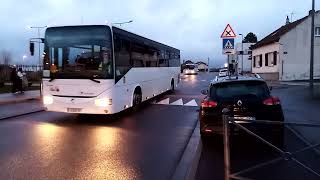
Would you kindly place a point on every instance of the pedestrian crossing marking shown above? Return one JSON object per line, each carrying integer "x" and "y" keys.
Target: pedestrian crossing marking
{"x": 177, "y": 102}
{"x": 164, "y": 102}
{"x": 191, "y": 103}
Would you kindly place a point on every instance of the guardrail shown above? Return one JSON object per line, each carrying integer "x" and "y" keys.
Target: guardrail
{"x": 284, "y": 155}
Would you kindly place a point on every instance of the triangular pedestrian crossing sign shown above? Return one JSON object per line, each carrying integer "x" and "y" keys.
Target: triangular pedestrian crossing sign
{"x": 228, "y": 32}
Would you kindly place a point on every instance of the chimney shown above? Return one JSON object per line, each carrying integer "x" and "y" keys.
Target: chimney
{"x": 287, "y": 20}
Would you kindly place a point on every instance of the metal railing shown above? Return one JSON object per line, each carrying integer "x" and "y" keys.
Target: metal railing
{"x": 284, "y": 155}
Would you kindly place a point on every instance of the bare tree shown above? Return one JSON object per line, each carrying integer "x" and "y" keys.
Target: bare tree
{"x": 5, "y": 57}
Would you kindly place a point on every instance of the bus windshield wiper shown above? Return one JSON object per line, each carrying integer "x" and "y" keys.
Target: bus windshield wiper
{"x": 94, "y": 80}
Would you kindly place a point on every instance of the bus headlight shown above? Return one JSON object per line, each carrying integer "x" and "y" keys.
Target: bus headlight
{"x": 47, "y": 100}
{"x": 104, "y": 102}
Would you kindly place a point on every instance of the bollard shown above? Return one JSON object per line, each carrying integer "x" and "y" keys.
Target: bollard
{"x": 226, "y": 148}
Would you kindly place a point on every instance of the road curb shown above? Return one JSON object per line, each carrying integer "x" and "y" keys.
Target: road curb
{"x": 188, "y": 164}
{"x": 19, "y": 100}
{"x": 18, "y": 115}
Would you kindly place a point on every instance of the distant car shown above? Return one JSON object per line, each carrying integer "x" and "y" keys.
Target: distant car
{"x": 190, "y": 69}
{"x": 223, "y": 72}
{"x": 247, "y": 98}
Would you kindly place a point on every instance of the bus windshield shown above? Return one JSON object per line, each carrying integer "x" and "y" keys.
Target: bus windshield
{"x": 78, "y": 52}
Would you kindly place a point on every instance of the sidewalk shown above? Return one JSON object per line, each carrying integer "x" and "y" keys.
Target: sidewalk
{"x": 300, "y": 106}
{"x": 15, "y": 98}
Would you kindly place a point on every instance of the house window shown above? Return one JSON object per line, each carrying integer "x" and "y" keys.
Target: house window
{"x": 266, "y": 60}
{"x": 257, "y": 61}
{"x": 275, "y": 58}
{"x": 317, "y": 31}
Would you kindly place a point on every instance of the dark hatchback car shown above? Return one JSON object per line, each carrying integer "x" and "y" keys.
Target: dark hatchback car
{"x": 247, "y": 98}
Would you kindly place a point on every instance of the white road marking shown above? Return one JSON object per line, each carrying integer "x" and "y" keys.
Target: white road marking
{"x": 203, "y": 80}
{"x": 191, "y": 103}
{"x": 179, "y": 102}
{"x": 165, "y": 101}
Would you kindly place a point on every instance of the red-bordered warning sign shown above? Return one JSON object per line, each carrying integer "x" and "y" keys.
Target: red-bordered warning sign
{"x": 228, "y": 32}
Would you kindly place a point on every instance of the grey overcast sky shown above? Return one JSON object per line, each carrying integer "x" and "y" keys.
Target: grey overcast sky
{"x": 193, "y": 26}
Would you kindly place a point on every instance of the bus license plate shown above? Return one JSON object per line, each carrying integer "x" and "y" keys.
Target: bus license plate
{"x": 73, "y": 110}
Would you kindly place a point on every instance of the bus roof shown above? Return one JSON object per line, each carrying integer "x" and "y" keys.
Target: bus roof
{"x": 122, "y": 32}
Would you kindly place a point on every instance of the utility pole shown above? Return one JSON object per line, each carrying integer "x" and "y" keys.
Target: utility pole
{"x": 312, "y": 45}
{"x": 208, "y": 65}
{"x": 241, "y": 52}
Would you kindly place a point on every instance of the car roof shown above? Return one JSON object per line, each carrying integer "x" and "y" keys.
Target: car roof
{"x": 226, "y": 79}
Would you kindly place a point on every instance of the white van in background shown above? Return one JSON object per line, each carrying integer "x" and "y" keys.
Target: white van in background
{"x": 190, "y": 69}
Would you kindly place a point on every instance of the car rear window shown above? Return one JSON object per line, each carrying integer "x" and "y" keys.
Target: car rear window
{"x": 230, "y": 90}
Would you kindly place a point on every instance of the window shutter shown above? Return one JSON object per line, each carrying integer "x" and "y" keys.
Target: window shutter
{"x": 275, "y": 57}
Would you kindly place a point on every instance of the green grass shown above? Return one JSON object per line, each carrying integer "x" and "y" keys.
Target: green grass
{"x": 7, "y": 89}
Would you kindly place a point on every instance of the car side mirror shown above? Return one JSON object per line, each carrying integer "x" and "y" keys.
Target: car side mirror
{"x": 204, "y": 92}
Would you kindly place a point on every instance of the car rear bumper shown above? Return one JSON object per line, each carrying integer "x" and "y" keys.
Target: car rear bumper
{"x": 214, "y": 125}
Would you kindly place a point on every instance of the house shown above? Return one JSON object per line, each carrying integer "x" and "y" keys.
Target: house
{"x": 285, "y": 53}
{"x": 202, "y": 66}
{"x": 244, "y": 56}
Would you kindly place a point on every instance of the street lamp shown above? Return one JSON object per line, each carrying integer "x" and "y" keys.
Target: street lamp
{"x": 38, "y": 28}
{"x": 120, "y": 23}
{"x": 24, "y": 57}
{"x": 241, "y": 52}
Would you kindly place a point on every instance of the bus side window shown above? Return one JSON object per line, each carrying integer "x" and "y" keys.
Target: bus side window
{"x": 122, "y": 56}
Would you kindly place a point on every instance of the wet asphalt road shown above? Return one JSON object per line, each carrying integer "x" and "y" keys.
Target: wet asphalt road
{"x": 147, "y": 144}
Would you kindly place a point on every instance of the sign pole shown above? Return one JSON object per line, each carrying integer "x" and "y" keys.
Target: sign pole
{"x": 312, "y": 46}
{"x": 228, "y": 48}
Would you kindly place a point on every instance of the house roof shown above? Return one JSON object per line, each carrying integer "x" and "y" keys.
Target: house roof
{"x": 276, "y": 35}
{"x": 200, "y": 62}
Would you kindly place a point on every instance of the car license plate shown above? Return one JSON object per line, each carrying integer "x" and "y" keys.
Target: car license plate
{"x": 73, "y": 110}
{"x": 245, "y": 119}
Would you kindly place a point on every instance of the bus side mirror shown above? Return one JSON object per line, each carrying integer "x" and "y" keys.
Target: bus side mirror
{"x": 31, "y": 46}
{"x": 204, "y": 92}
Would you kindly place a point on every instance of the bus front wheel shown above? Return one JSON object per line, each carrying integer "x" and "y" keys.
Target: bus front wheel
{"x": 137, "y": 97}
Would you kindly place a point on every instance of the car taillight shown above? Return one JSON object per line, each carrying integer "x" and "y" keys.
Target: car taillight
{"x": 271, "y": 101}
{"x": 208, "y": 104}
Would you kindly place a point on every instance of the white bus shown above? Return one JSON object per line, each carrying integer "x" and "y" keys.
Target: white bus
{"x": 102, "y": 69}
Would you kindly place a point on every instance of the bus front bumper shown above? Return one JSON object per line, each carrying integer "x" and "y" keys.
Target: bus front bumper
{"x": 79, "y": 105}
